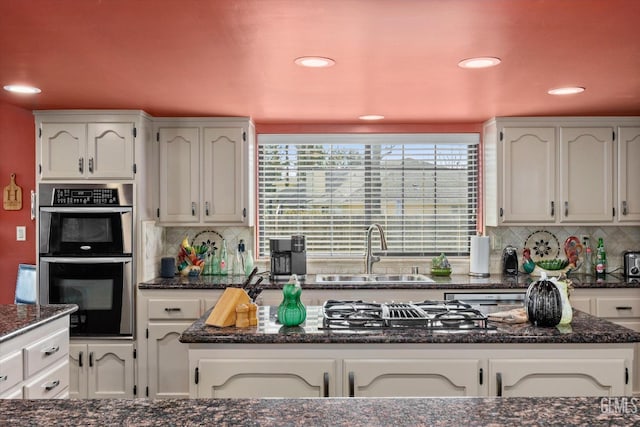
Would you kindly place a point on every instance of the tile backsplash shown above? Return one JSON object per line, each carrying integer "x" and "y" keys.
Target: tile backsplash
{"x": 165, "y": 242}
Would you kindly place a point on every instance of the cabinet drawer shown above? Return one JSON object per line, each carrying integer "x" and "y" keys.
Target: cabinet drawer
{"x": 10, "y": 370}
{"x": 174, "y": 308}
{"x": 50, "y": 383}
{"x": 618, "y": 307}
{"x": 46, "y": 351}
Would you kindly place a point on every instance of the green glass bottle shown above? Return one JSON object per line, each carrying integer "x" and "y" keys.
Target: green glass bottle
{"x": 291, "y": 311}
{"x": 601, "y": 260}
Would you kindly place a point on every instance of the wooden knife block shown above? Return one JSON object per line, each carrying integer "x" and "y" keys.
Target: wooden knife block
{"x": 224, "y": 312}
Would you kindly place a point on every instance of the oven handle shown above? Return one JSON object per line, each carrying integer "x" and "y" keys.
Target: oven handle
{"x": 84, "y": 209}
{"x": 87, "y": 260}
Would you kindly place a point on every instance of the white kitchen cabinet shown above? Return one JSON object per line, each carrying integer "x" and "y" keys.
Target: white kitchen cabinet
{"x": 586, "y": 174}
{"x": 561, "y": 171}
{"x": 258, "y": 378}
{"x": 86, "y": 150}
{"x": 34, "y": 364}
{"x": 557, "y": 377}
{"x": 206, "y": 171}
{"x": 412, "y": 377}
{"x": 162, "y": 315}
{"x": 628, "y": 208}
{"x": 101, "y": 370}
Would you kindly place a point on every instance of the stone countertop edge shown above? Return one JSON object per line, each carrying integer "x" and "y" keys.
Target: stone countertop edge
{"x": 17, "y": 319}
{"x": 332, "y": 411}
{"x": 584, "y": 329}
{"x": 452, "y": 282}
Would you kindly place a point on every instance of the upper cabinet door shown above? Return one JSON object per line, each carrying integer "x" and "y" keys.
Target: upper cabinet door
{"x": 224, "y": 175}
{"x": 529, "y": 176}
{"x": 586, "y": 174}
{"x": 628, "y": 174}
{"x": 63, "y": 149}
{"x": 110, "y": 150}
{"x": 179, "y": 174}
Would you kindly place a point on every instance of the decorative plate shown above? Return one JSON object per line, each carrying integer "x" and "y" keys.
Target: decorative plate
{"x": 543, "y": 246}
{"x": 209, "y": 238}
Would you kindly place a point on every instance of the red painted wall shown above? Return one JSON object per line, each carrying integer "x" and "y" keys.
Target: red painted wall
{"x": 17, "y": 148}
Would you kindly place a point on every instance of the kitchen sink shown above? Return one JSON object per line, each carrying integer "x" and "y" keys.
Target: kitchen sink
{"x": 373, "y": 278}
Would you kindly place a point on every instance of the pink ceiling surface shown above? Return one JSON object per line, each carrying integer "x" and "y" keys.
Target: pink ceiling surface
{"x": 397, "y": 58}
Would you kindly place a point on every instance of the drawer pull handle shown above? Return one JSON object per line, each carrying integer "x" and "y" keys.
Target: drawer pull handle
{"x": 80, "y": 362}
{"x": 53, "y": 384}
{"x": 326, "y": 384}
{"x": 51, "y": 350}
{"x": 624, "y": 307}
{"x": 499, "y": 383}
{"x": 170, "y": 309}
{"x": 4, "y": 378}
{"x": 352, "y": 384}
{"x": 91, "y": 359}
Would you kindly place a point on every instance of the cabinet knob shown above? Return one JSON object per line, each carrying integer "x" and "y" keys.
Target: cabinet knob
{"x": 91, "y": 164}
{"x": 206, "y": 208}
{"x": 624, "y": 207}
{"x": 553, "y": 208}
{"x": 193, "y": 208}
{"x": 566, "y": 208}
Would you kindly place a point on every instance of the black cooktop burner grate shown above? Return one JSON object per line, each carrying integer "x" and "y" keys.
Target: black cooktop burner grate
{"x": 436, "y": 315}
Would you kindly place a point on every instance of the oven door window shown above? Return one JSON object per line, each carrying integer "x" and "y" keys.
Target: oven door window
{"x": 97, "y": 291}
{"x": 86, "y": 234}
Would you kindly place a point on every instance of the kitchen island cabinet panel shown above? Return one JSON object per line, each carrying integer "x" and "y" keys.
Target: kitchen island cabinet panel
{"x": 282, "y": 377}
{"x": 413, "y": 377}
{"x": 558, "y": 377}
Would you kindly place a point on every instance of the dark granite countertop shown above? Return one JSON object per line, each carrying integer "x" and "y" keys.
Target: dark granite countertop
{"x": 16, "y": 319}
{"x": 451, "y": 282}
{"x": 355, "y": 412}
{"x": 584, "y": 329}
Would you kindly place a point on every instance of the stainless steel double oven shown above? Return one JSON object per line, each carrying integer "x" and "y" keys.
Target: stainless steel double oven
{"x": 85, "y": 246}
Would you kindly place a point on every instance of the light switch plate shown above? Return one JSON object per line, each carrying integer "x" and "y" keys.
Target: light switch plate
{"x": 21, "y": 233}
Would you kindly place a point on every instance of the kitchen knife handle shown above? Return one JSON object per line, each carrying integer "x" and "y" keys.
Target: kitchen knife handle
{"x": 352, "y": 384}
{"x": 206, "y": 208}
{"x": 53, "y": 384}
{"x": 566, "y": 208}
{"x": 193, "y": 208}
{"x": 326, "y": 384}
{"x": 80, "y": 363}
{"x": 81, "y": 165}
{"x": 91, "y": 359}
{"x": 624, "y": 207}
{"x": 553, "y": 208}
{"x": 91, "y": 164}
{"x": 499, "y": 383}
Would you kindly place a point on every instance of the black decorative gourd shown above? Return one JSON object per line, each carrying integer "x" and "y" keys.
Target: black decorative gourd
{"x": 543, "y": 303}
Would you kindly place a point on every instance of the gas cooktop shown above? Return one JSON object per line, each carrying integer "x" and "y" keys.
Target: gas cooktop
{"x": 450, "y": 315}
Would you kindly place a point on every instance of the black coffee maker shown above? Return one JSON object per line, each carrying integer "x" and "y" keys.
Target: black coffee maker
{"x": 510, "y": 261}
{"x": 288, "y": 256}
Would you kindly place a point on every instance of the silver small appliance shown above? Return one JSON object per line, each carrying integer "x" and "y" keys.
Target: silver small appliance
{"x": 632, "y": 264}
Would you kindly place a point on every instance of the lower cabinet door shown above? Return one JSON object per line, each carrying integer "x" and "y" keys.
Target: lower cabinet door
{"x": 412, "y": 377}
{"x": 78, "y": 355}
{"x": 167, "y": 361}
{"x": 247, "y": 378}
{"x": 110, "y": 371}
{"x": 558, "y": 377}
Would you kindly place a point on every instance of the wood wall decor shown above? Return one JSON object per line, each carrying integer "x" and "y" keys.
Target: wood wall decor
{"x": 12, "y": 195}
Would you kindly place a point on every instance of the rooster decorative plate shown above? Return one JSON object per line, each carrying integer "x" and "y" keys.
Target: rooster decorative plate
{"x": 543, "y": 245}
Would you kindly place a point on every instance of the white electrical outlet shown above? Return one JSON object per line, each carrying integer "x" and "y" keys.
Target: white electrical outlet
{"x": 21, "y": 233}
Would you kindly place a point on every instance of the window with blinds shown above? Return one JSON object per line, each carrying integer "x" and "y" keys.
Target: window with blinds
{"x": 422, "y": 188}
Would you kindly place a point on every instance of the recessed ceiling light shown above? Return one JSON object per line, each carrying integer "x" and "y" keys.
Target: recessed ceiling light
{"x": 371, "y": 117}
{"x": 314, "y": 61}
{"x": 569, "y": 90}
{"x": 22, "y": 89}
{"x": 480, "y": 62}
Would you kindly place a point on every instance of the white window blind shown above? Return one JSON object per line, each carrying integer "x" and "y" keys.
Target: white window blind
{"x": 422, "y": 188}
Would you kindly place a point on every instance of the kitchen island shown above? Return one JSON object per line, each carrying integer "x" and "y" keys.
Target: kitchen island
{"x": 34, "y": 350}
{"x": 590, "y": 357}
{"x": 370, "y": 412}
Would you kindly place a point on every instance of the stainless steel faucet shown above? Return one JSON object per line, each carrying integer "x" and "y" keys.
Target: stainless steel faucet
{"x": 370, "y": 258}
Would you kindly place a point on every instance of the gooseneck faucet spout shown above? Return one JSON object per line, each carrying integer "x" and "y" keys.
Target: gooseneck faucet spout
{"x": 370, "y": 258}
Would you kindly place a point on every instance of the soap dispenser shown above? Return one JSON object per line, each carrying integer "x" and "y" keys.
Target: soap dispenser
{"x": 291, "y": 311}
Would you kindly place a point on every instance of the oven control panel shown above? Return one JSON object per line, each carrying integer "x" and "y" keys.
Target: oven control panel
{"x": 85, "y": 197}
